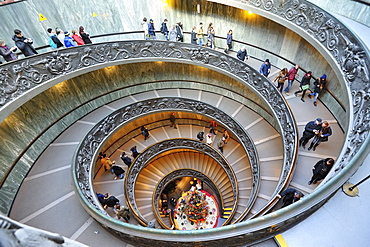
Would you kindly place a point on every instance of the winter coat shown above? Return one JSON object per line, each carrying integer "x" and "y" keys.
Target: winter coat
{"x": 78, "y": 39}
{"x": 151, "y": 29}
{"x": 292, "y": 73}
{"x": 311, "y": 126}
{"x": 117, "y": 170}
{"x": 26, "y": 47}
{"x": 288, "y": 196}
{"x": 194, "y": 37}
{"x": 321, "y": 169}
{"x": 7, "y": 54}
{"x": 86, "y": 38}
{"x": 325, "y": 133}
{"x": 56, "y": 41}
{"x": 180, "y": 35}
{"x": 319, "y": 85}
{"x": 61, "y": 37}
{"x": 229, "y": 39}
{"x": 164, "y": 28}
{"x": 172, "y": 35}
{"x": 126, "y": 160}
{"x": 68, "y": 42}
{"x": 281, "y": 77}
{"x": 264, "y": 69}
{"x": 305, "y": 80}
{"x": 242, "y": 54}
{"x": 111, "y": 201}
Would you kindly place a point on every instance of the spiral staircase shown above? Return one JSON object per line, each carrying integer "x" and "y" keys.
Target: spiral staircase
{"x": 260, "y": 160}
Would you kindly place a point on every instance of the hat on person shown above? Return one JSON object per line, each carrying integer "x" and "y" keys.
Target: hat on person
{"x": 319, "y": 120}
{"x": 151, "y": 20}
{"x": 267, "y": 60}
{"x": 66, "y": 33}
{"x": 298, "y": 194}
{"x": 323, "y": 76}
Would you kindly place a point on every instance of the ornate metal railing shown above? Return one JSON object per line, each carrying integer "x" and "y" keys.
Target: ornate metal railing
{"x": 346, "y": 54}
{"x": 179, "y": 174}
{"x": 96, "y": 137}
{"x": 151, "y": 152}
{"x": 59, "y": 65}
{"x": 350, "y": 57}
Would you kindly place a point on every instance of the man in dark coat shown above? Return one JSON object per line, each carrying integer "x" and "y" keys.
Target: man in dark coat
{"x": 290, "y": 196}
{"x": 145, "y": 132}
{"x": 242, "y": 54}
{"x": 265, "y": 68}
{"x": 310, "y": 130}
{"x": 110, "y": 201}
{"x": 126, "y": 159}
{"x": 101, "y": 198}
{"x": 180, "y": 34}
{"x": 24, "y": 44}
{"x": 304, "y": 85}
{"x": 118, "y": 171}
{"x": 134, "y": 151}
{"x": 200, "y": 136}
{"x": 164, "y": 29}
{"x": 151, "y": 29}
{"x": 321, "y": 169}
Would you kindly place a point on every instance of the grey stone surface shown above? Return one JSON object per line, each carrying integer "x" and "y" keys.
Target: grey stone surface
{"x": 352, "y": 9}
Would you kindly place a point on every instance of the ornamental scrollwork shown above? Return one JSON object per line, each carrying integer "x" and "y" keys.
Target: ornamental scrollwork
{"x": 100, "y": 132}
{"x": 151, "y": 152}
{"x": 350, "y": 54}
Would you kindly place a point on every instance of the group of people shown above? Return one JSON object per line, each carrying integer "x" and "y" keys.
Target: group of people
{"x": 60, "y": 38}
{"x": 320, "y": 131}
{"x": 175, "y": 33}
{"x": 110, "y": 165}
{"x": 304, "y": 85}
{"x": 111, "y": 201}
{"x": 319, "y": 172}
{"x": 210, "y": 136}
{"x": 317, "y": 129}
{"x": 57, "y": 39}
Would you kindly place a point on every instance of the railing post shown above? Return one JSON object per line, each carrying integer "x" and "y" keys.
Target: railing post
{"x": 352, "y": 190}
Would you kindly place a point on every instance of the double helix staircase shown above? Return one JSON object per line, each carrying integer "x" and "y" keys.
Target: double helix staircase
{"x": 53, "y": 165}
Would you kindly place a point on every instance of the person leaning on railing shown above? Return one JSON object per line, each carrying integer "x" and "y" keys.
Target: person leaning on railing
{"x": 7, "y": 52}
{"x": 24, "y": 44}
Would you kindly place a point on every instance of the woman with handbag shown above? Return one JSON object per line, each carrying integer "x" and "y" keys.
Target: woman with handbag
{"x": 281, "y": 77}
{"x": 304, "y": 85}
{"x": 322, "y": 136}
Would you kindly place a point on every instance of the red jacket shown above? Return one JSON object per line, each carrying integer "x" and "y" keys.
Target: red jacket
{"x": 78, "y": 39}
{"x": 291, "y": 74}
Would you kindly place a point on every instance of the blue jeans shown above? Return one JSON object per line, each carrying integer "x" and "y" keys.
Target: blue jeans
{"x": 316, "y": 95}
{"x": 166, "y": 36}
{"x": 201, "y": 41}
{"x": 290, "y": 82}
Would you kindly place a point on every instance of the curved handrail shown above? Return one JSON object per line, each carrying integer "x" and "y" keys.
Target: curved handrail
{"x": 171, "y": 144}
{"x": 352, "y": 156}
{"x": 32, "y": 142}
{"x": 236, "y": 69}
{"x": 101, "y": 132}
{"x": 189, "y": 33}
{"x": 117, "y": 52}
